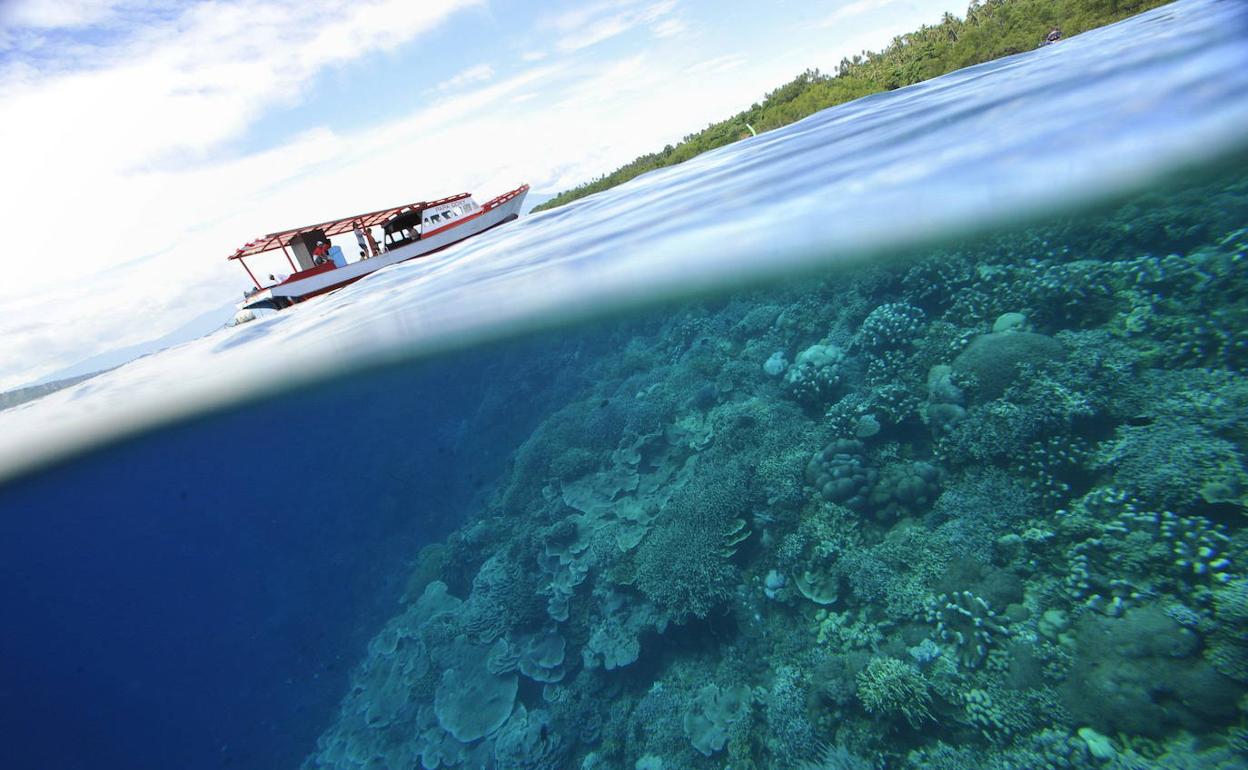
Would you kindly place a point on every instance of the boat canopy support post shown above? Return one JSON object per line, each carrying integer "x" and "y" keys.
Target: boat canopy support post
{"x": 293, "y": 269}
{"x": 243, "y": 262}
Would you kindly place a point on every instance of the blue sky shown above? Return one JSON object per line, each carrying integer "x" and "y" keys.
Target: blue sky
{"x": 172, "y": 132}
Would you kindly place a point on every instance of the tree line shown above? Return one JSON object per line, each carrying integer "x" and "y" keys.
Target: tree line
{"x": 991, "y": 29}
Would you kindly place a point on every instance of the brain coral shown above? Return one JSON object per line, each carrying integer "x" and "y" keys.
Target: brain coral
{"x": 993, "y": 359}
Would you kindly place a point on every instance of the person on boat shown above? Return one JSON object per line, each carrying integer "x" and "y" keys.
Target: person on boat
{"x": 1054, "y": 35}
{"x": 360, "y": 239}
{"x": 321, "y": 253}
{"x": 335, "y": 255}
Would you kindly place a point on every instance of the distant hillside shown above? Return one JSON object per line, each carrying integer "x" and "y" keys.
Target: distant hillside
{"x": 12, "y": 398}
{"x": 991, "y": 29}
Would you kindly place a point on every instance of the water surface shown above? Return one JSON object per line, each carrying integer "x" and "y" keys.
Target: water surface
{"x": 963, "y": 479}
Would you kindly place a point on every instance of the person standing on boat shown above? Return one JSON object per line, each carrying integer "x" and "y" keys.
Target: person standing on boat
{"x": 359, "y": 237}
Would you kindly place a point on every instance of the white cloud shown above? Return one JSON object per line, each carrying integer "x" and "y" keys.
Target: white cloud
{"x": 477, "y": 74}
{"x": 856, "y": 8}
{"x": 93, "y": 153}
{"x": 591, "y": 34}
{"x": 718, "y": 64}
{"x": 670, "y": 28}
{"x": 594, "y": 23}
{"x": 94, "y": 142}
{"x": 316, "y": 176}
{"x": 611, "y": 83}
{"x": 53, "y": 14}
{"x": 564, "y": 124}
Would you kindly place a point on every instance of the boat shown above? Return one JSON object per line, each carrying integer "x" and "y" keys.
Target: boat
{"x": 407, "y": 231}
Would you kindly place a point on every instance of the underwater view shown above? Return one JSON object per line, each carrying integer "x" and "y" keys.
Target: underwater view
{"x": 911, "y": 436}
{"x": 979, "y": 509}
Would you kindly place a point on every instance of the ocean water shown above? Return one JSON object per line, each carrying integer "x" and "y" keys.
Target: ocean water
{"x": 910, "y": 436}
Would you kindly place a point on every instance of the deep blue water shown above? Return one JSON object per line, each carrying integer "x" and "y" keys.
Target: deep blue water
{"x": 195, "y": 598}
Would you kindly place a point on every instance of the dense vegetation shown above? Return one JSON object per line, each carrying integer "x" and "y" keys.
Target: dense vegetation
{"x": 991, "y": 29}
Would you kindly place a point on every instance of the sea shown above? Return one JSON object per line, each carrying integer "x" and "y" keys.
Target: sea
{"x": 909, "y": 435}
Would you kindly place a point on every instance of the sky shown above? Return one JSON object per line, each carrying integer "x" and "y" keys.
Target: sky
{"x": 143, "y": 141}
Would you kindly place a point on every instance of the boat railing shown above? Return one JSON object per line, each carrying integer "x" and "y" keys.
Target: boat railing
{"x": 500, "y": 200}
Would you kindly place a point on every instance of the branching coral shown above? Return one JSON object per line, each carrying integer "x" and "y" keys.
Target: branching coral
{"x": 891, "y": 688}
{"x": 965, "y": 621}
{"x": 891, "y": 325}
{"x": 684, "y": 565}
{"x": 784, "y": 709}
{"x": 1139, "y": 554}
{"x": 836, "y": 758}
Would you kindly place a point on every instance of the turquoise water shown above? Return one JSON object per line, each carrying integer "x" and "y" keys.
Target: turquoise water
{"x": 908, "y": 436}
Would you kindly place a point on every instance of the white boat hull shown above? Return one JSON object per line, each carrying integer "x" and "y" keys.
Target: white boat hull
{"x": 297, "y": 288}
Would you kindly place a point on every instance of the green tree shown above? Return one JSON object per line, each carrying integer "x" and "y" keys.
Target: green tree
{"x": 990, "y": 30}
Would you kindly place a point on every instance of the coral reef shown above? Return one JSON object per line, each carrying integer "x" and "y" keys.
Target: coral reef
{"x": 891, "y": 688}
{"x": 1141, "y": 674}
{"x": 994, "y": 361}
{"x": 966, "y": 622}
{"x": 815, "y": 375}
{"x": 891, "y": 326}
{"x": 984, "y": 508}
{"x": 840, "y": 474}
{"x": 713, "y": 713}
{"x": 1227, "y": 647}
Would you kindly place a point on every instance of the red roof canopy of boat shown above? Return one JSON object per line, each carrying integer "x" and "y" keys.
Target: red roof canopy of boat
{"x": 336, "y": 226}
